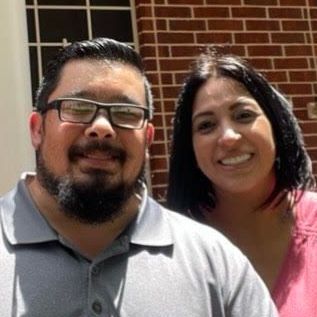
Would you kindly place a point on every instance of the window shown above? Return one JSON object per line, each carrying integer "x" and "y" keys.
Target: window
{"x": 55, "y": 23}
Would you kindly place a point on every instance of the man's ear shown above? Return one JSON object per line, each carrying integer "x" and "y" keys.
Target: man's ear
{"x": 36, "y": 129}
{"x": 149, "y": 134}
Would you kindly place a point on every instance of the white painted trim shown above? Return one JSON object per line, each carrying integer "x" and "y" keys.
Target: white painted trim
{"x": 17, "y": 154}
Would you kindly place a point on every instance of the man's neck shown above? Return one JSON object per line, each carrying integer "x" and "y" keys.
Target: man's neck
{"x": 89, "y": 239}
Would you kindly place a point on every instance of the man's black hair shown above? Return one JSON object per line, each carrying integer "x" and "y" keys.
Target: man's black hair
{"x": 95, "y": 49}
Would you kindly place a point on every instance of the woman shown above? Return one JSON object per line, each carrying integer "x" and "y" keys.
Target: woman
{"x": 238, "y": 163}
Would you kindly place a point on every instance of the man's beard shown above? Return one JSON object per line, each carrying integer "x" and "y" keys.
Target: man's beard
{"x": 94, "y": 201}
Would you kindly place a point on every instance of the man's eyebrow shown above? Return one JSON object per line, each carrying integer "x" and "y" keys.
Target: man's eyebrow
{"x": 99, "y": 98}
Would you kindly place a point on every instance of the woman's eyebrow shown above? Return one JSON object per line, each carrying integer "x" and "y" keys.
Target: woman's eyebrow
{"x": 202, "y": 114}
{"x": 242, "y": 101}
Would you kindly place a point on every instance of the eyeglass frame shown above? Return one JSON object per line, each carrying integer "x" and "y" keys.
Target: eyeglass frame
{"x": 56, "y": 104}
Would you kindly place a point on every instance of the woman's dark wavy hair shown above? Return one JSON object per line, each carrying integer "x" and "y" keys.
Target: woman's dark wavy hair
{"x": 189, "y": 190}
{"x": 96, "y": 49}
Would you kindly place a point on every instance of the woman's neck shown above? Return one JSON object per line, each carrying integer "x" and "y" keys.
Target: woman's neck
{"x": 237, "y": 211}
{"x": 263, "y": 234}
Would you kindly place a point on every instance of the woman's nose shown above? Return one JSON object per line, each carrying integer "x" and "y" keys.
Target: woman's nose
{"x": 229, "y": 136}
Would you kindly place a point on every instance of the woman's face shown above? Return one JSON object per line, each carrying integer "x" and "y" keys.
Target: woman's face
{"x": 232, "y": 138}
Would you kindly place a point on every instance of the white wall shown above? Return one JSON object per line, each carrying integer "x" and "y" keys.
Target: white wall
{"x": 16, "y": 153}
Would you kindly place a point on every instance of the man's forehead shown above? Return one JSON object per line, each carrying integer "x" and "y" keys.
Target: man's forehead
{"x": 101, "y": 80}
{"x": 103, "y": 65}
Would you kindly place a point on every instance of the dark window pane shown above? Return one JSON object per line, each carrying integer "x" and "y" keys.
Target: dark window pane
{"x": 58, "y": 24}
{"x": 48, "y": 53}
{"x": 28, "y": 2}
{"x": 34, "y": 70}
{"x": 61, "y": 2}
{"x": 114, "y": 24}
{"x": 31, "y": 25}
{"x": 110, "y": 2}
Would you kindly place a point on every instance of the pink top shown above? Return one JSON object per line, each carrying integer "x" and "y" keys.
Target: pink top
{"x": 295, "y": 291}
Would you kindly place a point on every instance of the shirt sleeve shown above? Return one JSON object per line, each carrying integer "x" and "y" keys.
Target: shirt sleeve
{"x": 245, "y": 294}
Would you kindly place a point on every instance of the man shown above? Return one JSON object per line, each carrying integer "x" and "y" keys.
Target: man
{"x": 81, "y": 237}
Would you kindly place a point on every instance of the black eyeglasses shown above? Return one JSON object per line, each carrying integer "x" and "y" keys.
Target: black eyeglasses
{"x": 78, "y": 110}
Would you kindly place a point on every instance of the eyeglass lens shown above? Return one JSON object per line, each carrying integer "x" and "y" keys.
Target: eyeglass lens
{"x": 78, "y": 111}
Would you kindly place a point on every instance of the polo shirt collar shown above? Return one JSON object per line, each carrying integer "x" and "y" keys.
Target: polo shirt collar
{"x": 151, "y": 226}
{"x": 23, "y": 223}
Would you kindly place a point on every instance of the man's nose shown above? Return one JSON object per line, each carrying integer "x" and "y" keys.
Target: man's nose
{"x": 101, "y": 127}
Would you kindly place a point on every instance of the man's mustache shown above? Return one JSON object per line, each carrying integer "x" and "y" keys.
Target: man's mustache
{"x": 77, "y": 150}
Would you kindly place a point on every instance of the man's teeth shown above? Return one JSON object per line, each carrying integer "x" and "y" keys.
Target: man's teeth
{"x": 236, "y": 160}
{"x": 99, "y": 157}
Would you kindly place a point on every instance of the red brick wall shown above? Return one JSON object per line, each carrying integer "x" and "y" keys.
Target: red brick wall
{"x": 279, "y": 37}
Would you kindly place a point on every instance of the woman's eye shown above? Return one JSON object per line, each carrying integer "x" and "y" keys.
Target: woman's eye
{"x": 245, "y": 116}
{"x": 205, "y": 126}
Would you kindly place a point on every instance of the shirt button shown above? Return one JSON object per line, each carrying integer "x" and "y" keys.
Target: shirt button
{"x": 96, "y": 307}
{"x": 95, "y": 270}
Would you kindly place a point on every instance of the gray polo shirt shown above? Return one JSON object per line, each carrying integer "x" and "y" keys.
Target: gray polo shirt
{"x": 163, "y": 265}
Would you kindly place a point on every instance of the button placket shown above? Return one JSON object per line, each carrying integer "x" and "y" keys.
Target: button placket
{"x": 95, "y": 270}
{"x": 96, "y": 306}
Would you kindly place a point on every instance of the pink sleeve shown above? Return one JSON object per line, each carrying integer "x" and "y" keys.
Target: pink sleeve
{"x": 295, "y": 292}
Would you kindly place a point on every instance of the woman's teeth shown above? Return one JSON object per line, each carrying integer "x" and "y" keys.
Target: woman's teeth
{"x": 236, "y": 159}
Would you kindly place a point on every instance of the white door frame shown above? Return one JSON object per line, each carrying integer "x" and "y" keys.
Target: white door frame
{"x": 17, "y": 154}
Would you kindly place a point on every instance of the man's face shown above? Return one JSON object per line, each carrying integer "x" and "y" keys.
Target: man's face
{"x": 83, "y": 163}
